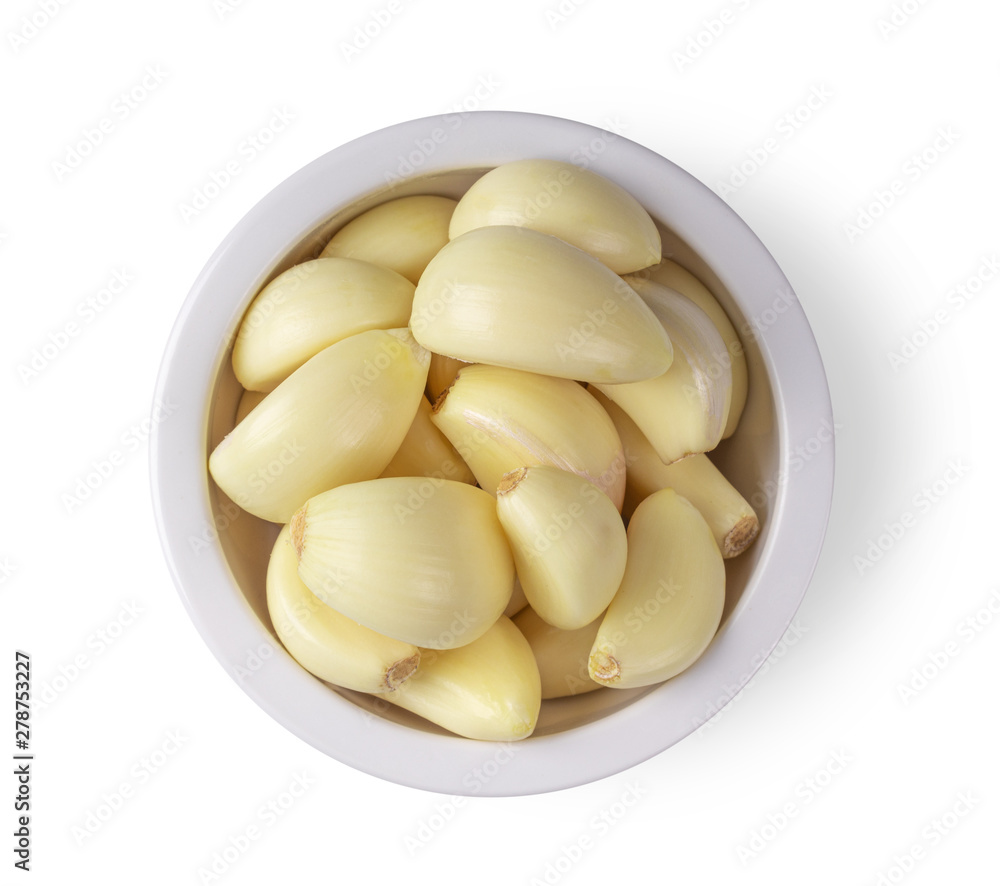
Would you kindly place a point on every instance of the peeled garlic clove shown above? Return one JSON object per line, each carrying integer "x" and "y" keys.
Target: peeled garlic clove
{"x": 669, "y": 273}
{"x": 729, "y": 515}
{"x": 248, "y": 402}
{"x": 669, "y": 605}
{"x": 503, "y": 419}
{"x": 402, "y": 234}
{"x": 419, "y": 559}
{"x": 426, "y": 452}
{"x": 576, "y": 205}
{"x": 517, "y": 599}
{"x": 326, "y": 643}
{"x": 684, "y": 410}
{"x": 441, "y": 374}
{"x": 561, "y": 656}
{"x": 489, "y": 689}
{"x": 310, "y": 307}
{"x": 337, "y": 419}
{"x": 568, "y": 542}
{"x": 514, "y": 297}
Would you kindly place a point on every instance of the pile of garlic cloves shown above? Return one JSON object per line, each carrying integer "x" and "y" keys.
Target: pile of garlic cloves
{"x": 483, "y": 425}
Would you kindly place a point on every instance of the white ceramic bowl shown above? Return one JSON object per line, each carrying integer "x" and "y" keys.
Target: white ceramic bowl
{"x": 217, "y": 555}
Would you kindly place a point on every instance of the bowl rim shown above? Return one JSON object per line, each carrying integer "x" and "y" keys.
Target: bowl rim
{"x": 180, "y": 491}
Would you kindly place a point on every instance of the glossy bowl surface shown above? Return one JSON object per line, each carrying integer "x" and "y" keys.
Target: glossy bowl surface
{"x": 217, "y": 554}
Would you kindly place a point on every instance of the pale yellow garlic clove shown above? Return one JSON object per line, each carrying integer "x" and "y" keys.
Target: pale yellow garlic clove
{"x": 732, "y": 520}
{"x": 517, "y": 599}
{"x": 577, "y": 205}
{"x": 684, "y": 410}
{"x": 503, "y": 419}
{"x": 330, "y": 645}
{"x": 441, "y": 374}
{"x": 515, "y": 297}
{"x": 488, "y": 690}
{"x": 310, "y": 307}
{"x": 669, "y": 605}
{"x": 561, "y": 656}
{"x": 416, "y": 558}
{"x": 426, "y": 452}
{"x": 669, "y": 273}
{"x": 248, "y": 402}
{"x": 568, "y": 542}
{"x": 403, "y": 234}
{"x": 337, "y": 419}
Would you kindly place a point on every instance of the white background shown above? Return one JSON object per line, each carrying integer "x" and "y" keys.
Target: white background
{"x": 757, "y": 796}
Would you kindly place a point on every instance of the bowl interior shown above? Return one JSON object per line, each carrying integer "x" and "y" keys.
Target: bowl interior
{"x": 748, "y": 459}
